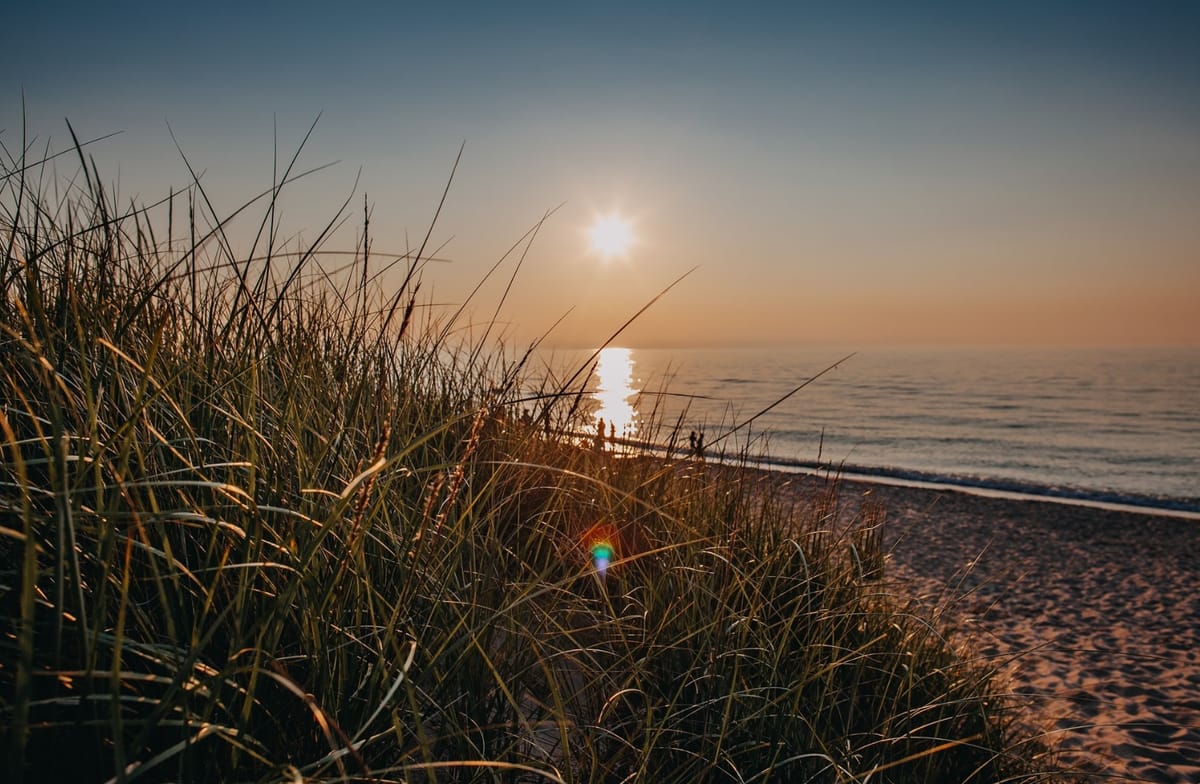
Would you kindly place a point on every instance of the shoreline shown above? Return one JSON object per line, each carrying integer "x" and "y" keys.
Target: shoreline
{"x": 1186, "y": 509}
{"x": 1090, "y": 613}
{"x": 866, "y": 476}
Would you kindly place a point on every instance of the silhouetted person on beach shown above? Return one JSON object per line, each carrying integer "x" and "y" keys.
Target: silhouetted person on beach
{"x": 692, "y": 443}
{"x": 700, "y": 445}
{"x": 600, "y": 435}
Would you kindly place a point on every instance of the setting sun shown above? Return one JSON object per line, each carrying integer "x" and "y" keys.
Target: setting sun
{"x": 611, "y": 235}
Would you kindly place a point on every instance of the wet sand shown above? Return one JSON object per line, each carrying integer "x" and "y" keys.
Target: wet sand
{"x": 1094, "y": 613}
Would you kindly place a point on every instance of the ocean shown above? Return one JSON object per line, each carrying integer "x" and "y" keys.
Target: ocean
{"x": 1101, "y": 425}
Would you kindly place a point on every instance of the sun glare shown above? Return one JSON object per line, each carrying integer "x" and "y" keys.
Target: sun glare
{"x": 611, "y": 236}
{"x": 615, "y": 389}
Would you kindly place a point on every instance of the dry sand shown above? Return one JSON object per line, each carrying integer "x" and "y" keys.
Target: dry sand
{"x": 1094, "y": 612}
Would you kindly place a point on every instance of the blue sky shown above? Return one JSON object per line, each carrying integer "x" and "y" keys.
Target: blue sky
{"x": 838, "y": 172}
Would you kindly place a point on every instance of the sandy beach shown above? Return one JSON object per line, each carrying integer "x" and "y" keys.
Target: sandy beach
{"x": 1093, "y": 613}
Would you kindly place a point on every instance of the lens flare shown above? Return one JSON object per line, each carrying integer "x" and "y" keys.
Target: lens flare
{"x": 602, "y": 553}
{"x": 600, "y": 542}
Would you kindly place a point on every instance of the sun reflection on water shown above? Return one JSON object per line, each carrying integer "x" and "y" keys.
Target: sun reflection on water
{"x": 615, "y": 391}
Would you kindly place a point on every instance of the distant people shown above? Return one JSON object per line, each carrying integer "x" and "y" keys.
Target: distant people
{"x": 600, "y": 435}
{"x": 700, "y": 445}
{"x": 612, "y": 432}
{"x": 692, "y": 443}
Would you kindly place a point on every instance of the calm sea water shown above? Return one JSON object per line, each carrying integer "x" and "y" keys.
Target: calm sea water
{"x": 1101, "y": 424}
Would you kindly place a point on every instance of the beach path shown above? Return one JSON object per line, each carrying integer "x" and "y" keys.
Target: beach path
{"x": 1095, "y": 613}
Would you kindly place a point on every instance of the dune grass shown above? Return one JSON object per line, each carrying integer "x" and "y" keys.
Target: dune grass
{"x": 265, "y": 520}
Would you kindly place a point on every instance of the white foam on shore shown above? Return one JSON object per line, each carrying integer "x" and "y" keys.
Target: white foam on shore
{"x": 1071, "y": 497}
{"x": 988, "y": 492}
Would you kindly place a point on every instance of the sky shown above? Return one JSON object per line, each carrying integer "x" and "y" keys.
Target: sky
{"x": 854, "y": 172}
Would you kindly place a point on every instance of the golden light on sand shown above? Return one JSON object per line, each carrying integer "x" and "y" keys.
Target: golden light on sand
{"x": 611, "y": 235}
